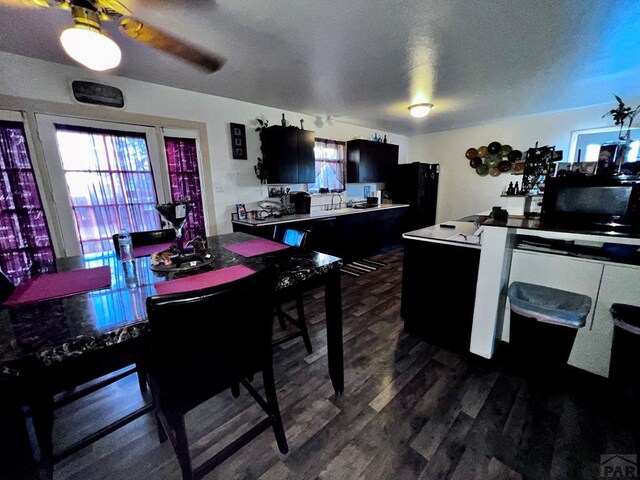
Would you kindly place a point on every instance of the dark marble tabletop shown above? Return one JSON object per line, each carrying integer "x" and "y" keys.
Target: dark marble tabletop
{"x": 54, "y": 330}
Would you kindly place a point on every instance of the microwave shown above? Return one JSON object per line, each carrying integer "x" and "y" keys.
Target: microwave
{"x": 606, "y": 203}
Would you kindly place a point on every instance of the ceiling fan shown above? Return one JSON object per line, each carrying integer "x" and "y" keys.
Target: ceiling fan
{"x": 86, "y": 42}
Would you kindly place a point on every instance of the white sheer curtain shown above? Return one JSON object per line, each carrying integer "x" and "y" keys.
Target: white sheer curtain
{"x": 331, "y": 165}
{"x": 110, "y": 183}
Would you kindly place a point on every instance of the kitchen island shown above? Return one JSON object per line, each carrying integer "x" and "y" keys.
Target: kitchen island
{"x": 524, "y": 250}
{"x": 348, "y": 233}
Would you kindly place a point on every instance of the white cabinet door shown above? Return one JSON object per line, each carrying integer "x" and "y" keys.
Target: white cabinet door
{"x": 591, "y": 349}
{"x": 620, "y": 284}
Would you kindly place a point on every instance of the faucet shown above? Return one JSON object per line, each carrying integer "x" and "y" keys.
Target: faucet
{"x": 339, "y": 203}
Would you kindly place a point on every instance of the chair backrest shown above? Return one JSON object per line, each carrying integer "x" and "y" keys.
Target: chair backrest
{"x": 290, "y": 236}
{"x": 152, "y": 237}
{"x": 228, "y": 325}
{"x": 6, "y": 287}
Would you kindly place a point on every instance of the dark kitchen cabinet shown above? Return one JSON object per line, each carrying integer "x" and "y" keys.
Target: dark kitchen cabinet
{"x": 370, "y": 162}
{"x": 350, "y": 237}
{"x": 439, "y": 291}
{"x": 288, "y": 154}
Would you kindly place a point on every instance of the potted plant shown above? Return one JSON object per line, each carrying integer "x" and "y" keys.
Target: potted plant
{"x": 623, "y": 115}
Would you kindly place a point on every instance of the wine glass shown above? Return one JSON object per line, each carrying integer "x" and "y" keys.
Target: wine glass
{"x": 176, "y": 213}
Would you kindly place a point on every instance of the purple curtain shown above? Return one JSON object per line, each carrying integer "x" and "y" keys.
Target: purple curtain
{"x": 331, "y": 165}
{"x": 184, "y": 176}
{"x": 110, "y": 183}
{"x": 25, "y": 243}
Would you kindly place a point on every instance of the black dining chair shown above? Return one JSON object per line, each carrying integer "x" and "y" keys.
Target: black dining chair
{"x": 196, "y": 353}
{"x": 53, "y": 386}
{"x": 6, "y": 287}
{"x": 298, "y": 239}
{"x": 141, "y": 239}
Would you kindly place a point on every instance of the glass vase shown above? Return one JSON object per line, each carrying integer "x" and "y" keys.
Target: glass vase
{"x": 176, "y": 214}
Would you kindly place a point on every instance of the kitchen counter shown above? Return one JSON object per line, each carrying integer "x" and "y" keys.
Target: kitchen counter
{"x": 440, "y": 271}
{"x": 461, "y": 235}
{"x": 314, "y": 215}
{"x": 522, "y": 223}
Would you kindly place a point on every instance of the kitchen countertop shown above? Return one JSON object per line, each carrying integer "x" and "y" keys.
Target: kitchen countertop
{"x": 523, "y": 223}
{"x": 461, "y": 235}
{"x": 315, "y": 214}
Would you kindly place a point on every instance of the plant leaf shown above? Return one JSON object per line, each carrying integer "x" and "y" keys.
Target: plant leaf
{"x": 619, "y": 100}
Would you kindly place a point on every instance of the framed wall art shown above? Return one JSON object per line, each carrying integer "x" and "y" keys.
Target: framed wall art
{"x": 238, "y": 141}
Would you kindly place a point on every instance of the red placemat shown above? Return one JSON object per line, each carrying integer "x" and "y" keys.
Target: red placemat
{"x": 259, "y": 246}
{"x": 147, "y": 250}
{"x": 203, "y": 280}
{"x": 62, "y": 284}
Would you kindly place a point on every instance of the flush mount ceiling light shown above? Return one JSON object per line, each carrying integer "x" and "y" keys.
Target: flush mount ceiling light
{"x": 419, "y": 110}
{"x": 86, "y": 44}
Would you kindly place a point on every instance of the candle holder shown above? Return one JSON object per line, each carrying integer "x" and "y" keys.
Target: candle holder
{"x": 176, "y": 213}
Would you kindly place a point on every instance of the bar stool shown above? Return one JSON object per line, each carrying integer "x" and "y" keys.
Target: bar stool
{"x": 298, "y": 239}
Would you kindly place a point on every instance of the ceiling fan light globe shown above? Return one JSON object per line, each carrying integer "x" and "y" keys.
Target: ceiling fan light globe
{"x": 91, "y": 48}
{"x": 420, "y": 110}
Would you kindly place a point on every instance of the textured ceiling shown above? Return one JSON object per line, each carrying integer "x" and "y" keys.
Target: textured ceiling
{"x": 364, "y": 61}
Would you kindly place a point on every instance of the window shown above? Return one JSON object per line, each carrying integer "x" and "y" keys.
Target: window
{"x": 25, "y": 242}
{"x": 110, "y": 183}
{"x": 105, "y": 176}
{"x": 331, "y": 166}
{"x": 184, "y": 177}
{"x": 600, "y": 150}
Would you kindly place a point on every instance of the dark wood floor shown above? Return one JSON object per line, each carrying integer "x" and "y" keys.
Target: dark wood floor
{"x": 410, "y": 410}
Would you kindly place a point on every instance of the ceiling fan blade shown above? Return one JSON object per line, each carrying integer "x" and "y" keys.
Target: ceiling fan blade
{"x": 24, "y": 3}
{"x": 112, "y": 7}
{"x": 179, "y": 3}
{"x": 167, "y": 43}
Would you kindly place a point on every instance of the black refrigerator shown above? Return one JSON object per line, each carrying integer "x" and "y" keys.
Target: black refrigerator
{"x": 416, "y": 184}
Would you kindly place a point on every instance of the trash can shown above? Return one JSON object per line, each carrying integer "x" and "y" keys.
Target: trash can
{"x": 544, "y": 324}
{"x": 624, "y": 371}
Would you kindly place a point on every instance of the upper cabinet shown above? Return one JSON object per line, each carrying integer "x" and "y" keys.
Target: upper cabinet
{"x": 370, "y": 162}
{"x": 288, "y": 154}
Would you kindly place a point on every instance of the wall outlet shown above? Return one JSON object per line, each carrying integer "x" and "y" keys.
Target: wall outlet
{"x": 218, "y": 188}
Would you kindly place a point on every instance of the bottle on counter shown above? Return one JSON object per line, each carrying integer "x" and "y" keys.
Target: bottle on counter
{"x": 385, "y": 139}
{"x": 375, "y": 137}
{"x": 130, "y": 274}
{"x": 125, "y": 245}
{"x": 516, "y": 189}
{"x": 510, "y": 189}
{"x": 126, "y": 255}
{"x": 283, "y": 122}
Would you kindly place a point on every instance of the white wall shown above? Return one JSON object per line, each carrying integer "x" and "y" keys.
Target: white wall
{"x": 234, "y": 180}
{"x": 461, "y": 191}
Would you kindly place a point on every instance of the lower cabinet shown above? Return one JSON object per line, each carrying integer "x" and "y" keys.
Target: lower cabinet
{"x": 438, "y": 292}
{"x": 620, "y": 284}
{"x": 350, "y": 237}
{"x": 605, "y": 283}
{"x": 265, "y": 231}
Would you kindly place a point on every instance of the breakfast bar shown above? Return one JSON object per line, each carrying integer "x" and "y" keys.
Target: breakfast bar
{"x": 477, "y": 263}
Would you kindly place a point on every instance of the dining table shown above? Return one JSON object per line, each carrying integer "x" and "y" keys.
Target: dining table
{"x": 92, "y": 331}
